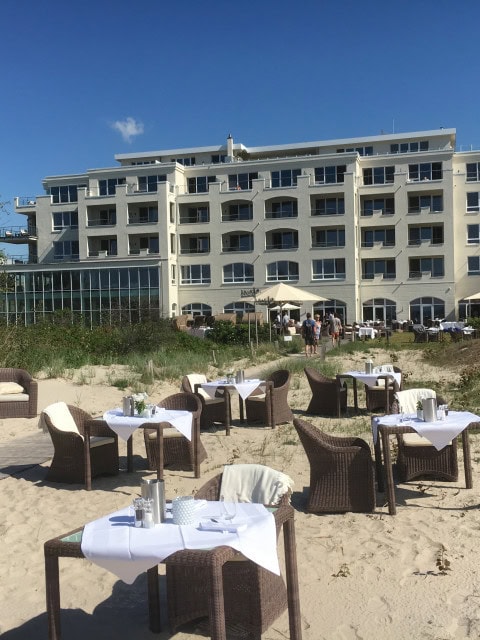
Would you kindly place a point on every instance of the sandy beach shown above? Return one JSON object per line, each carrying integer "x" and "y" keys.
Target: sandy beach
{"x": 362, "y": 576}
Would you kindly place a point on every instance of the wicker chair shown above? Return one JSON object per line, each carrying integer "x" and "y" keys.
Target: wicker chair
{"x": 217, "y": 409}
{"x": 178, "y": 452}
{"x": 382, "y": 395}
{"x": 417, "y": 458}
{"x": 271, "y": 408}
{"x": 69, "y": 464}
{"x": 254, "y": 597}
{"x": 19, "y": 405}
{"x": 341, "y": 471}
{"x": 329, "y": 395}
{"x": 419, "y": 332}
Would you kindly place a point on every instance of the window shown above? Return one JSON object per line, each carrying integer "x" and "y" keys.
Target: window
{"x": 329, "y": 175}
{"x": 281, "y": 209}
{"x": 237, "y": 242}
{"x": 473, "y": 171}
{"x": 362, "y": 151}
{"x": 474, "y": 265}
{"x": 285, "y": 178}
{"x": 195, "y": 215}
{"x": 330, "y": 237}
{"x": 186, "y": 162}
{"x": 147, "y": 215}
{"x": 65, "y": 220}
{"x": 239, "y": 181}
{"x": 432, "y": 266}
{"x": 380, "y": 309}
{"x": 378, "y": 175}
{"x": 66, "y": 193}
{"x": 425, "y": 201}
{"x": 243, "y": 211}
{"x": 386, "y": 206}
{"x": 329, "y": 269}
{"x": 473, "y": 233}
{"x": 283, "y": 270}
{"x": 385, "y": 268}
{"x": 194, "y": 244}
{"x": 282, "y": 240}
{"x": 200, "y": 184}
{"x": 425, "y": 171}
{"x": 173, "y": 273}
{"x": 197, "y": 309}
{"x": 150, "y": 183}
{"x": 196, "y": 274}
{"x": 417, "y": 235}
{"x": 409, "y": 147}
{"x": 150, "y": 243}
{"x": 102, "y": 217}
{"x": 329, "y": 207}
{"x": 217, "y": 158}
{"x": 237, "y": 272}
{"x": 66, "y": 249}
{"x": 239, "y": 308}
{"x": 384, "y": 236}
{"x": 473, "y": 203}
{"x": 108, "y": 187}
{"x": 422, "y": 310}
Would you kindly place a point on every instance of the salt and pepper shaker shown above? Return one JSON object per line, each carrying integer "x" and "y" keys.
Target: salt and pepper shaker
{"x": 148, "y": 522}
{"x": 138, "y": 512}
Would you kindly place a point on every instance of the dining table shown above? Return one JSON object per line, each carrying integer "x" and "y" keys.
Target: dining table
{"x": 367, "y": 332}
{"x": 439, "y": 433}
{"x": 370, "y": 379}
{"x": 113, "y": 543}
{"x": 244, "y": 389}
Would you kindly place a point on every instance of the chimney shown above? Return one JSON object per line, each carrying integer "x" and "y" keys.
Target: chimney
{"x": 230, "y": 146}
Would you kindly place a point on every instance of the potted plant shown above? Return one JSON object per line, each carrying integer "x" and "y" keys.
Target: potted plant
{"x": 419, "y": 410}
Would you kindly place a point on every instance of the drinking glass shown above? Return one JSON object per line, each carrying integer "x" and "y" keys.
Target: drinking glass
{"x": 228, "y": 509}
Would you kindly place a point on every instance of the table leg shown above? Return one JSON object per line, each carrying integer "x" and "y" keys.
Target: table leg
{"x": 378, "y": 463}
{"x": 293, "y": 598}
{"x": 241, "y": 409}
{"x": 387, "y": 463}
{"x": 467, "y": 463}
{"x": 153, "y": 600}
{"x": 355, "y": 395}
{"x": 130, "y": 454}
{"x": 52, "y": 588}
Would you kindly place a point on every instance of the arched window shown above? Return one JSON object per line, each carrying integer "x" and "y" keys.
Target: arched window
{"x": 324, "y": 309}
{"x": 283, "y": 270}
{"x": 237, "y": 272}
{"x": 197, "y": 309}
{"x": 239, "y": 308}
{"x": 424, "y": 310}
{"x": 380, "y": 309}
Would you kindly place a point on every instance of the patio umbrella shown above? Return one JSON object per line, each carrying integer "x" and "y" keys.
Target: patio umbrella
{"x": 286, "y": 307}
{"x": 284, "y": 293}
{"x": 474, "y": 296}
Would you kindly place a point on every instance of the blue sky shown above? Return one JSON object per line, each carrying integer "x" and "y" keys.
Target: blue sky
{"x": 77, "y": 77}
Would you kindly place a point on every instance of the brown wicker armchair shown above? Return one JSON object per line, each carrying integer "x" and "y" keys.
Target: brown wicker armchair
{"x": 329, "y": 395}
{"x": 178, "y": 452}
{"x": 72, "y": 459}
{"x": 382, "y": 395}
{"x": 271, "y": 408}
{"x": 341, "y": 471}
{"x": 253, "y": 597}
{"x": 417, "y": 458}
{"x": 19, "y": 405}
{"x": 217, "y": 409}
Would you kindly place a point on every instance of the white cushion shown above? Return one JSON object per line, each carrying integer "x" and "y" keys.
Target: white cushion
{"x": 10, "y": 388}
{"x": 198, "y": 378}
{"x": 14, "y": 397}
{"x": 61, "y": 418}
{"x": 257, "y": 398}
{"x": 97, "y": 441}
{"x": 414, "y": 440}
{"x": 169, "y": 432}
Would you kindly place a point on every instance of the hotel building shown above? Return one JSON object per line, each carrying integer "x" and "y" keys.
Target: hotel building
{"x": 385, "y": 227}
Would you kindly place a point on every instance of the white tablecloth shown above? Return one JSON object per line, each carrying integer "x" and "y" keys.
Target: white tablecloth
{"x": 124, "y": 426}
{"x": 370, "y": 379}
{"x": 244, "y": 389}
{"x": 439, "y": 433}
{"x": 369, "y": 332}
{"x": 112, "y": 542}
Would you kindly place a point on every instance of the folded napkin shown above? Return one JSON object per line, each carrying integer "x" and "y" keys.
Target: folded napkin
{"x": 220, "y": 525}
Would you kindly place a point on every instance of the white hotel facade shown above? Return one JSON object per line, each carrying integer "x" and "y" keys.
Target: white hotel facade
{"x": 384, "y": 227}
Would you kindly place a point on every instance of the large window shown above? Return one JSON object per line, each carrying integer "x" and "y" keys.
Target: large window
{"x": 473, "y": 202}
{"x": 186, "y": 162}
{"x": 200, "y": 184}
{"x": 194, "y": 244}
{"x": 378, "y": 309}
{"x": 237, "y": 242}
{"x": 473, "y": 233}
{"x": 65, "y": 193}
{"x": 409, "y": 147}
{"x": 66, "y": 249}
{"x": 424, "y": 310}
{"x": 101, "y": 217}
{"x": 239, "y": 308}
{"x": 281, "y": 209}
{"x": 362, "y": 151}
{"x": 237, "y": 272}
{"x": 285, "y": 178}
{"x": 328, "y": 237}
{"x": 329, "y": 207}
{"x": 384, "y": 236}
{"x": 148, "y": 215}
{"x": 197, "y": 309}
{"x": 383, "y": 206}
{"x": 150, "y": 243}
{"x": 378, "y": 175}
{"x": 283, "y": 270}
{"x": 281, "y": 240}
{"x": 330, "y": 175}
{"x": 150, "y": 183}
{"x": 195, "y": 274}
{"x": 474, "y": 265}
{"x": 108, "y": 187}
{"x": 194, "y": 215}
{"x": 473, "y": 172}
{"x": 426, "y": 266}
{"x": 65, "y": 220}
{"x": 329, "y": 269}
{"x": 425, "y": 171}
{"x": 240, "y": 181}
{"x": 425, "y": 201}
{"x": 417, "y": 235}
{"x": 241, "y": 211}
{"x": 384, "y": 268}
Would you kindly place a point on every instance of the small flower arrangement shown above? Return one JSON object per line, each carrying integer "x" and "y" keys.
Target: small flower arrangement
{"x": 140, "y": 400}
{"x": 419, "y": 405}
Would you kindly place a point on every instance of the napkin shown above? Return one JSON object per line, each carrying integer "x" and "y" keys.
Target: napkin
{"x": 209, "y": 525}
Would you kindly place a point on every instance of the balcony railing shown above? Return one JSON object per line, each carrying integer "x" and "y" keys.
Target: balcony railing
{"x": 18, "y": 233}
{"x": 25, "y": 201}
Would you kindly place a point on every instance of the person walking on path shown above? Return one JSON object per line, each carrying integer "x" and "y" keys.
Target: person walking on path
{"x": 337, "y": 330}
{"x": 318, "y": 331}
{"x": 308, "y": 334}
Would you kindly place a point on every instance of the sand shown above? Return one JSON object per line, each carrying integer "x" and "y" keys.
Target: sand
{"x": 362, "y": 576}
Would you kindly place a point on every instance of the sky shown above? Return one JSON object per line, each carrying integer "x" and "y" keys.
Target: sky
{"x": 85, "y": 80}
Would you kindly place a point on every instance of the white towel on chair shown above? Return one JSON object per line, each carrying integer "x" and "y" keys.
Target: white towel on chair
{"x": 408, "y": 399}
{"x": 254, "y": 483}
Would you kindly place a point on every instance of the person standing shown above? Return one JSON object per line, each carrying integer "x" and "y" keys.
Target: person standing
{"x": 318, "y": 332}
{"x": 285, "y": 321}
{"x": 337, "y": 330}
{"x": 308, "y": 334}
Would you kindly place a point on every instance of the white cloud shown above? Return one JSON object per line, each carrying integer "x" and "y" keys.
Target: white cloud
{"x": 128, "y": 128}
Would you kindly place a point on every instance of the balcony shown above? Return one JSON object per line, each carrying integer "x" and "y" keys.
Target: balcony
{"x": 18, "y": 235}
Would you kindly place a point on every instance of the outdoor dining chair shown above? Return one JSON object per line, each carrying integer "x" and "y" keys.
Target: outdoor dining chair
{"x": 382, "y": 394}
{"x": 217, "y": 409}
{"x": 329, "y": 395}
{"x": 271, "y": 408}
